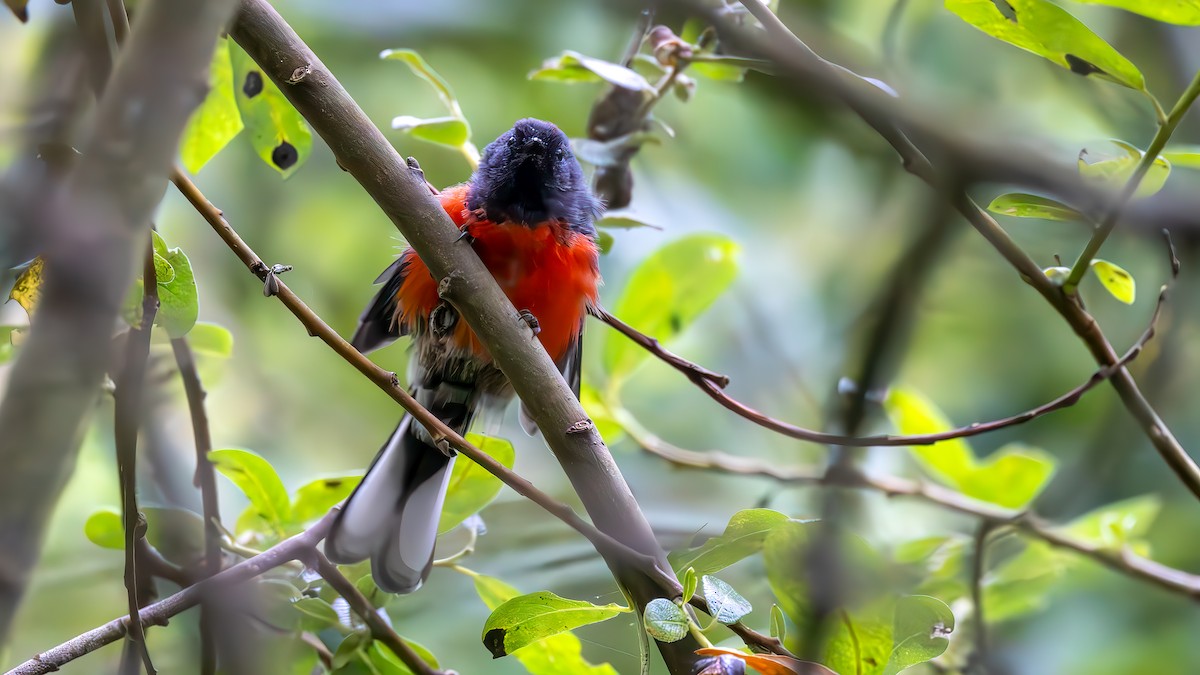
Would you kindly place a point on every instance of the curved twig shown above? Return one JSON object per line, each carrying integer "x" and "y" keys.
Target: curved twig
{"x": 710, "y": 383}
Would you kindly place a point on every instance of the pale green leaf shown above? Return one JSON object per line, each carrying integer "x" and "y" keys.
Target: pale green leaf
{"x": 314, "y": 499}
{"x": 471, "y": 487}
{"x": 257, "y": 479}
{"x": 667, "y": 292}
{"x": 1011, "y": 477}
{"x": 317, "y": 609}
{"x": 210, "y": 339}
{"x": 572, "y": 66}
{"x": 742, "y": 538}
{"x": 601, "y": 415}
{"x": 178, "y": 302}
{"x": 451, "y": 131}
{"x": 422, "y": 69}
{"x": 1186, "y": 156}
{"x": 919, "y": 633}
{"x": 387, "y": 663}
{"x": 217, "y": 121}
{"x": 528, "y": 618}
{"x": 725, "y": 604}
{"x": 1113, "y": 168}
{"x": 1021, "y": 205}
{"x": 1045, "y": 29}
{"x": 665, "y": 621}
{"x": 861, "y": 643}
{"x": 555, "y": 655}
{"x": 783, "y": 556}
{"x": 177, "y": 533}
{"x": 1182, "y": 12}
{"x": 279, "y": 134}
{"x": 1116, "y": 280}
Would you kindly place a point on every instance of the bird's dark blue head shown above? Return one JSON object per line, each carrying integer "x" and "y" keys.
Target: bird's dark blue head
{"x": 529, "y": 176}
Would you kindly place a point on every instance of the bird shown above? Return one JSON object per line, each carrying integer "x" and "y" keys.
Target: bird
{"x": 528, "y": 214}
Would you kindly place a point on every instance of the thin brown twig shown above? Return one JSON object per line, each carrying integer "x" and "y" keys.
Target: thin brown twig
{"x": 388, "y": 382}
{"x": 977, "y": 663}
{"x": 160, "y": 612}
{"x": 380, "y": 630}
{"x": 711, "y": 384}
{"x": 205, "y": 479}
{"x": 128, "y": 413}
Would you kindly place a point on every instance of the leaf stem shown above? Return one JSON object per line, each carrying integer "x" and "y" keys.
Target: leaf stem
{"x": 1166, "y": 128}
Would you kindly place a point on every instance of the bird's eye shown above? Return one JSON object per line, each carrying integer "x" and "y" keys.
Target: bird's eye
{"x": 559, "y": 154}
{"x": 512, "y": 141}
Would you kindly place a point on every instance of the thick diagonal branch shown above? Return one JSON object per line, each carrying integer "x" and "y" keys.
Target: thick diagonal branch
{"x": 362, "y": 150}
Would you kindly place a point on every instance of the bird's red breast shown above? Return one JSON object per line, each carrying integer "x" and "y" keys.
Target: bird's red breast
{"x": 547, "y": 269}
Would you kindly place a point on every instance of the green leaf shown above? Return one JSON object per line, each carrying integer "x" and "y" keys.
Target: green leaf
{"x": 256, "y": 478}
{"x": 665, "y": 621}
{"x": 1182, "y": 12}
{"x": 783, "y": 556}
{"x": 471, "y": 487}
{"x": 209, "y": 339}
{"x": 604, "y": 242}
{"x": 217, "y": 121}
{"x": 314, "y": 499}
{"x": 104, "y": 529}
{"x": 555, "y": 655}
{"x": 1186, "y": 156}
{"x": 601, "y": 415}
{"x": 388, "y": 663}
{"x": 528, "y": 618}
{"x": 742, "y": 538}
{"x": 1120, "y": 524}
{"x": 1112, "y": 169}
{"x": 178, "y": 534}
{"x": 572, "y": 66}
{"x": 1024, "y": 582}
{"x": 1011, "y": 477}
{"x": 422, "y": 69}
{"x": 278, "y": 133}
{"x": 451, "y": 131}
{"x": 778, "y": 623}
{"x": 690, "y": 582}
{"x": 913, "y": 415}
{"x": 1043, "y": 28}
{"x": 919, "y": 632}
{"x": 668, "y": 291}
{"x": 318, "y": 609}
{"x": 860, "y": 643}
{"x": 178, "y": 303}
{"x": 350, "y": 648}
{"x": 725, "y": 604}
{"x": 8, "y": 347}
{"x": 1021, "y": 205}
{"x": 1116, "y": 280}
{"x": 624, "y": 219}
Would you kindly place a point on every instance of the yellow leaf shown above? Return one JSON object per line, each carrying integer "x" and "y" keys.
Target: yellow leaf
{"x": 28, "y": 288}
{"x": 1118, "y": 282}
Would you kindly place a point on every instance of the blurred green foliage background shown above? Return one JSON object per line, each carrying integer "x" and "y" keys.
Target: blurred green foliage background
{"x": 820, "y": 209}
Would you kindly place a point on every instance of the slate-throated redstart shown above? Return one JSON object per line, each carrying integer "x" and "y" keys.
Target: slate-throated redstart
{"x": 529, "y": 216}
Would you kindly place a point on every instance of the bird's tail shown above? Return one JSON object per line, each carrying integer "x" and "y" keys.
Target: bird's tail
{"x": 392, "y": 516}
